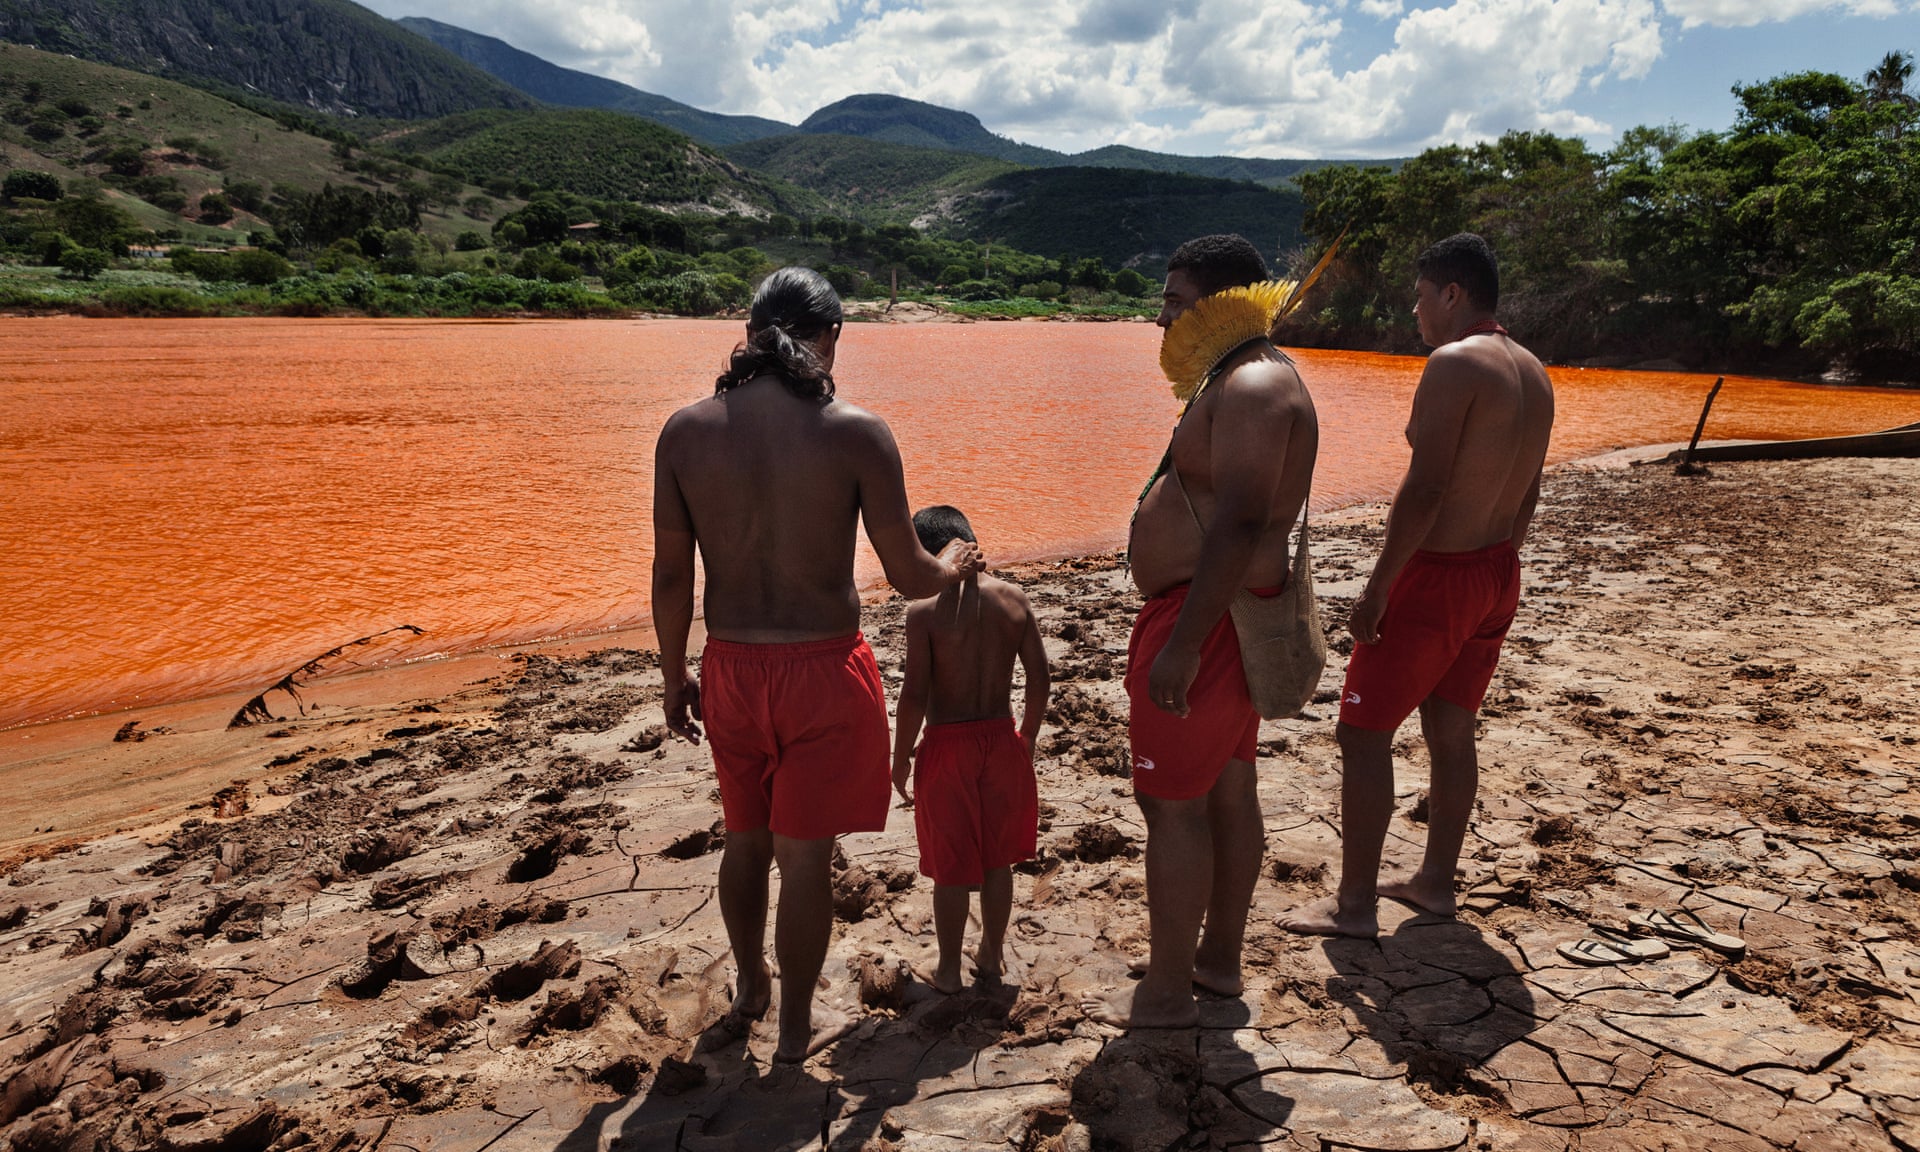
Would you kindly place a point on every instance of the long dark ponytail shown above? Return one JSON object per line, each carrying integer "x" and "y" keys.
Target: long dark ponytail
{"x": 791, "y": 309}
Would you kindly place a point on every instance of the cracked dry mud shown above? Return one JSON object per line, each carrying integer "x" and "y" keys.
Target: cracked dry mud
{"x": 498, "y": 930}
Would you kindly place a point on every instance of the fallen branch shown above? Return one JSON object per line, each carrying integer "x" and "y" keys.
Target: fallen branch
{"x": 255, "y": 711}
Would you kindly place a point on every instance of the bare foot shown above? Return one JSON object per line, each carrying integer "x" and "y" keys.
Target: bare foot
{"x": 829, "y": 1024}
{"x": 749, "y": 1004}
{"x": 1327, "y": 918}
{"x": 1218, "y": 981}
{"x": 946, "y": 978}
{"x": 1142, "y": 1007}
{"x": 1427, "y": 896}
{"x": 989, "y": 974}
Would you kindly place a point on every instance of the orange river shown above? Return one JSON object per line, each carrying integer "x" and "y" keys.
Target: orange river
{"x": 192, "y": 507}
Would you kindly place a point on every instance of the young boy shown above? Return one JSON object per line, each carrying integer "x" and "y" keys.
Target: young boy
{"x": 975, "y": 805}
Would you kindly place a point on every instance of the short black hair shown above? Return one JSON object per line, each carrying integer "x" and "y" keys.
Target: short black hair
{"x": 940, "y": 526}
{"x": 1467, "y": 260}
{"x": 1219, "y": 262}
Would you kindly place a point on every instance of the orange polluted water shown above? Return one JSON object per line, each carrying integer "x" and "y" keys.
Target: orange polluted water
{"x": 189, "y": 507}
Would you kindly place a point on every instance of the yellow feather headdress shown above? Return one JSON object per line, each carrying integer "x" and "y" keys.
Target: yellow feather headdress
{"x": 1205, "y": 333}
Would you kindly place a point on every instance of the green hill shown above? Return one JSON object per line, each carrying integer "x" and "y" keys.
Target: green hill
{"x": 897, "y": 120}
{"x": 155, "y": 147}
{"x": 605, "y": 155}
{"x": 1272, "y": 173}
{"x": 329, "y": 55}
{"x": 869, "y": 179}
{"x": 1124, "y": 217}
{"x": 574, "y": 89}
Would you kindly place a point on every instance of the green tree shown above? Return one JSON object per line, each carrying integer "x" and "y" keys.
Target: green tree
{"x": 258, "y": 266}
{"x": 1887, "y": 82}
{"x": 24, "y": 183}
{"x": 84, "y": 263}
{"x": 247, "y": 194}
{"x": 214, "y": 209}
{"x": 95, "y": 223}
{"x": 1129, "y": 282}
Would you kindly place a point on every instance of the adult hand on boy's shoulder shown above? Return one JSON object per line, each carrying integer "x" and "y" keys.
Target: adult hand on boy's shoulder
{"x": 902, "y": 772}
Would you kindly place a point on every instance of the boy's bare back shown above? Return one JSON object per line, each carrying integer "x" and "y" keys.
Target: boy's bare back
{"x": 973, "y": 632}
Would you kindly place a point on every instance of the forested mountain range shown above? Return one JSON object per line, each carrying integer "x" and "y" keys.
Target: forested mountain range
{"x": 331, "y": 56}
{"x": 574, "y": 89}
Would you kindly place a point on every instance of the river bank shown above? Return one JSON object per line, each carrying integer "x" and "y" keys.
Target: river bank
{"x": 483, "y": 916}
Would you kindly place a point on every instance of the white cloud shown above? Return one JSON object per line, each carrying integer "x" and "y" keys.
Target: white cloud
{"x": 1251, "y": 76}
{"x": 1746, "y": 13}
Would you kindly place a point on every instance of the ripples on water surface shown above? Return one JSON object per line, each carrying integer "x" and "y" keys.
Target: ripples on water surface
{"x": 199, "y": 506}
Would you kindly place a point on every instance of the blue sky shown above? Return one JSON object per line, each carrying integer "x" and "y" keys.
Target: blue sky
{"x": 1333, "y": 78}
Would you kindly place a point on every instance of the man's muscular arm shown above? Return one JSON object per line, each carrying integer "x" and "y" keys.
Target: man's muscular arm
{"x": 1439, "y": 418}
{"x": 673, "y": 545}
{"x": 912, "y": 570}
{"x": 1033, "y": 659}
{"x": 1253, "y": 412}
{"x": 1523, "y": 519}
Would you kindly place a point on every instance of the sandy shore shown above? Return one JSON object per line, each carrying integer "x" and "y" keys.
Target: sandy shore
{"x": 481, "y": 916}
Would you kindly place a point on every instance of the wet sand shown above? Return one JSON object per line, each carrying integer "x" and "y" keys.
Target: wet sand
{"x": 482, "y": 915}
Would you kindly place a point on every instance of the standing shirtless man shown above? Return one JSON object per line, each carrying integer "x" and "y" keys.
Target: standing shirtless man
{"x": 1431, "y": 620}
{"x": 768, "y": 478}
{"x": 1243, "y": 455}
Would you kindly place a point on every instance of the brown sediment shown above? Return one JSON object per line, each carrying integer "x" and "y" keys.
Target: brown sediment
{"x": 497, "y": 926}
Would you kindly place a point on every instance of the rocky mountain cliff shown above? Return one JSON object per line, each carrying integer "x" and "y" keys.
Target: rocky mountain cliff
{"x": 332, "y": 56}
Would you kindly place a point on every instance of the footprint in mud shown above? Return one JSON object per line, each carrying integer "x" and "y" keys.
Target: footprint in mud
{"x": 698, "y": 843}
{"x": 539, "y": 861}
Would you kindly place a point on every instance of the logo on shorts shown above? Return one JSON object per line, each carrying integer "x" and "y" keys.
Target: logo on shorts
{"x": 1142, "y": 764}
{"x": 1353, "y": 697}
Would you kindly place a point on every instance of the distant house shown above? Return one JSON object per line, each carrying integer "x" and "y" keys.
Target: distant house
{"x": 147, "y": 253}
{"x": 583, "y": 229}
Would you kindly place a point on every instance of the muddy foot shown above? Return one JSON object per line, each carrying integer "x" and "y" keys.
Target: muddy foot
{"x": 829, "y": 1024}
{"x": 988, "y": 973}
{"x": 1437, "y": 899}
{"x": 1327, "y": 918}
{"x": 1141, "y": 1007}
{"x": 749, "y": 1005}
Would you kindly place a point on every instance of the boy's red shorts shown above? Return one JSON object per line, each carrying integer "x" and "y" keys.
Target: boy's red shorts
{"x": 1176, "y": 758}
{"x": 799, "y": 735}
{"x": 1446, "y": 617}
{"x": 975, "y": 804}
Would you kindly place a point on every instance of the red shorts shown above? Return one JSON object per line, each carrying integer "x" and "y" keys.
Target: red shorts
{"x": 799, "y": 735}
{"x": 1176, "y": 758}
{"x": 1446, "y": 617}
{"x": 975, "y": 804}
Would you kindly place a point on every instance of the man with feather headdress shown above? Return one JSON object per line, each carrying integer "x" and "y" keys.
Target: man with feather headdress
{"x": 1213, "y": 522}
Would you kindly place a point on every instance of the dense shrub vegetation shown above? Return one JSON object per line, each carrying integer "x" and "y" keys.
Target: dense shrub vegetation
{"x": 1793, "y": 238}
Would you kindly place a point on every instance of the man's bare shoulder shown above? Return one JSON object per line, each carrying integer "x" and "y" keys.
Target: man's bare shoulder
{"x": 692, "y": 417}
{"x": 1268, "y": 386}
{"x": 852, "y": 426}
{"x": 1006, "y": 598}
{"x": 1461, "y": 365}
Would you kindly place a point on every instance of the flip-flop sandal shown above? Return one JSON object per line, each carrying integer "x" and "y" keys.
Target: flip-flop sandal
{"x": 1638, "y": 947}
{"x": 1691, "y": 930}
{"x": 1595, "y": 953}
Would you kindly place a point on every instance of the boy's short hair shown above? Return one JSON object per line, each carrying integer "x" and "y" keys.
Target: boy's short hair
{"x": 1219, "y": 262}
{"x": 940, "y": 526}
{"x": 1467, "y": 260}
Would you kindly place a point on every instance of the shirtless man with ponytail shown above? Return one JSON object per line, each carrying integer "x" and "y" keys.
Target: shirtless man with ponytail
{"x": 768, "y": 478}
